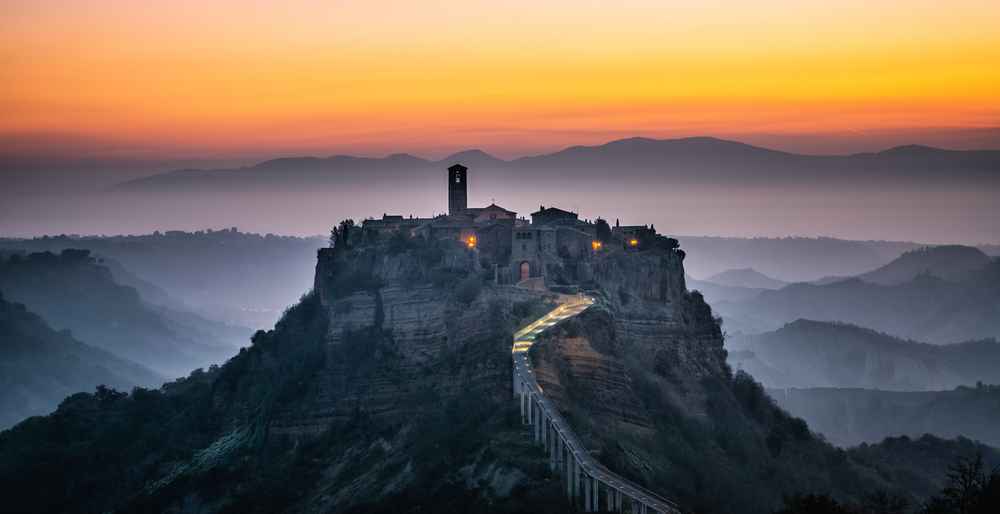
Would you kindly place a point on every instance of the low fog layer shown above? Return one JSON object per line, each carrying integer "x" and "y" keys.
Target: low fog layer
{"x": 697, "y": 186}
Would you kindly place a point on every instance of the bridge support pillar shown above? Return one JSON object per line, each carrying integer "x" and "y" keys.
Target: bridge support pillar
{"x": 575, "y": 474}
{"x": 567, "y": 471}
{"x": 538, "y": 422}
{"x": 595, "y": 503}
{"x": 553, "y": 449}
{"x": 587, "y": 502}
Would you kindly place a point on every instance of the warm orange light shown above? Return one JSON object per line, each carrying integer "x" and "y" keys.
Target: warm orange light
{"x": 471, "y": 241}
{"x": 596, "y": 245}
{"x": 633, "y": 242}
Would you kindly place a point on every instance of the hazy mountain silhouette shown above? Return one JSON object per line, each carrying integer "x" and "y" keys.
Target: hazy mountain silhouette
{"x": 950, "y": 262}
{"x": 39, "y": 367}
{"x": 72, "y": 291}
{"x": 235, "y": 277}
{"x": 926, "y": 307}
{"x": 746, "y": 277}
{"x": 716, "y": 294}
{"x": 687, "y": 160}
{"x": 808, "y": 353}
{"x": 790, "y": 259}
{"x": 848, "y": 417}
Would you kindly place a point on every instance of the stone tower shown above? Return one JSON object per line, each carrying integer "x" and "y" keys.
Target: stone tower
{"x": 458, "y": 189}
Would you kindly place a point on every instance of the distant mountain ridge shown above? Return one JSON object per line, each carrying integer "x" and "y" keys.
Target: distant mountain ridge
{"x": 848, "y": 417}
{"x": 950, "y": 262}
{"x": 206, "y": 270}
{"x": 694, "y": 159}
{"x": 806, "y": 354}
{"x": 746, "y": 277}
{"x": 924, "y": 307}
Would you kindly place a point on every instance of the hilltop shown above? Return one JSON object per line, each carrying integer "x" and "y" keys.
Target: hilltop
{"x": 746, "y": 278}
{"x": 949, "y": 262}
{"x": 388, "y": 389}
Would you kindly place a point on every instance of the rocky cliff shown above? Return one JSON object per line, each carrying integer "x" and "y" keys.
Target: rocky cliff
{"x": 388, "y": 389}
{"x": 642, "y": 377}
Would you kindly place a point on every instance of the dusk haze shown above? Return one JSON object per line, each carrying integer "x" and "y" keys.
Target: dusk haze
{"x": 385, "y": 256}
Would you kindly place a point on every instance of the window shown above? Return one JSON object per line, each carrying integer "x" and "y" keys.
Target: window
{"x": 458, "y": 180}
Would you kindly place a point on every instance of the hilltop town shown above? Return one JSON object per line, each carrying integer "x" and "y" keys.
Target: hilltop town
{"x": 532, "y": 254}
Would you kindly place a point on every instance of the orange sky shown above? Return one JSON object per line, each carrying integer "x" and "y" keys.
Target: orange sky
{"x": 251, "y": 77}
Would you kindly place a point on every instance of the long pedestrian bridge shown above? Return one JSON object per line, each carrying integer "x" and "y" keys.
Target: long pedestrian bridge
{"x": 588, "y": 483}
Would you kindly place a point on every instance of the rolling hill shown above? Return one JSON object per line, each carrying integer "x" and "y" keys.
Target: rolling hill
{"x": 39, "y": 367}
{"x": 950, "y": 262}
{"x": 72, "y": 291}
{"x": 848, "y": 417}
{"x": 805, "y": 354}
{"x": 926, "y": 307}
{"x": 746, "y": 277}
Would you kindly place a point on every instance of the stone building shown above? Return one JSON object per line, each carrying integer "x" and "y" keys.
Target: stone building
{"x": 553, "y": 216}
{"x": 554, "y": 248}
{"x": 458, "y": 189}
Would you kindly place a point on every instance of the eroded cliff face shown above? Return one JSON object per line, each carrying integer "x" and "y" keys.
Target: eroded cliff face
{"x": 642, "y": 378}
{"x": 645, "y": 319}
{"x": 403, "y": 329}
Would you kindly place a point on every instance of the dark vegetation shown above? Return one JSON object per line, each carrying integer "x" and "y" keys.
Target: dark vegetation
{"x": 111, "y": 451}
{"x": 971, "y": 488}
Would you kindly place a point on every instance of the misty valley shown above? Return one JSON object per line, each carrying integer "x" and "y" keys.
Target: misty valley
{"x": 370, "y": 370}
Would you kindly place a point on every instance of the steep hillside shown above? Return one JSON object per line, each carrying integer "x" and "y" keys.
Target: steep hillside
{"x": 39, "y": 366}
{"x": 72, "y": 291}
{"x": 388, "y": 389}
{"x": 821, "y": 354}
{"x": 849, "y": 417}
{"x": 926, "y": 308}
{"x": 950, "y": 262}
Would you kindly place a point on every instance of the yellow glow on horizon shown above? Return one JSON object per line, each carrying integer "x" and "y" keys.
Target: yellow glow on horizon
{"x": 227, "y": 76}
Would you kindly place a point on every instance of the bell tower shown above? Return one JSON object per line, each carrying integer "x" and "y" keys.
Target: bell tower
{"x": 458, "y": 190}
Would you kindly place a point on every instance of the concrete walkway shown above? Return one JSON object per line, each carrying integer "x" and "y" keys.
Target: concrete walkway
{"x": 587, "y": 481}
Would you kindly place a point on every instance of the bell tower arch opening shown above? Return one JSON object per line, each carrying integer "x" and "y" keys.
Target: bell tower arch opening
{"x": 458, "y": 190}
{"x": 525, "y": 271}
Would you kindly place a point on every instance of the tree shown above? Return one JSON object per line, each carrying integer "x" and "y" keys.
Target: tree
{"x": 339, "y": 235}
{"x": 970, "y": 489}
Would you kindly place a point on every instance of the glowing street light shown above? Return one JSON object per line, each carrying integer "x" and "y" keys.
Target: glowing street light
{"x": 470, "y": 242}
{"x": 596, "y": 245}
{"x": 633, "y": 242}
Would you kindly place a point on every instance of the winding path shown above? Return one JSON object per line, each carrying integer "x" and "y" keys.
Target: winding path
{"x": 587, "y": 481}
